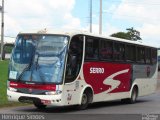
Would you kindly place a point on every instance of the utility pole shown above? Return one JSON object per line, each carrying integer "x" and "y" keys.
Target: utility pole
{"x": 2, "y": 28}
{"x": 100, "y": 18}
{"x": 90, "y": 16}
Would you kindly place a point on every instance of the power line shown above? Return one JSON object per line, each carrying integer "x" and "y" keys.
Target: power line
{"x": 2, "y": 28}
{"x": 90, "y": 16}
{"x": 100, "y": 18}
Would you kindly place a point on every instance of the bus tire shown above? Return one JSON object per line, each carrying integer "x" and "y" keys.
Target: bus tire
{"x": 84, "y": 101}
{"x": 133, "y": 97}
{"x": 39, "y": 106}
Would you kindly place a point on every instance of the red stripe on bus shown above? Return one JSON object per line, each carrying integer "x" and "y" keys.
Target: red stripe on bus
{"x": 33, "y": 86}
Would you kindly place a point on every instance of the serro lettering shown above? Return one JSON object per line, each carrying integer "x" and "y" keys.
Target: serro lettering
{"x": 96, "y": 70}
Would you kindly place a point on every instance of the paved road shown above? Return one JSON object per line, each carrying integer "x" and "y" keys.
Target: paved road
{"x": 148, "y": 104}
{"x": 107, "y": 110}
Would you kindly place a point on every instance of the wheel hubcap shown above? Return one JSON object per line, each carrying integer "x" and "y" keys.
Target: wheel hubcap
{"x": 134, "y": 96}
{"x": 84, "y": 99}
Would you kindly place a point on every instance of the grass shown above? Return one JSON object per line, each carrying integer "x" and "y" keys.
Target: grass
{"x": 3, "y": 82}
{"x": 3, "y": 86}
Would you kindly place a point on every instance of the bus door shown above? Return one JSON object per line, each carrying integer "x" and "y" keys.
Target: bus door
{"x": 73, "y": 66}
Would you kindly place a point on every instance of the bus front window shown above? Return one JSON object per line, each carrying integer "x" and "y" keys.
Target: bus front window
{"x": 22, "y": 56}
{"x": 39, "y": 59}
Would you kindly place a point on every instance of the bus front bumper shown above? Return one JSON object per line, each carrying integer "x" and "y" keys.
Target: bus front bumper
{"x": 53, "y": 100}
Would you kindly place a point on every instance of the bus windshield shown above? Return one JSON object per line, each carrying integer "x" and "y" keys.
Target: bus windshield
{"x": 38, "y": 58}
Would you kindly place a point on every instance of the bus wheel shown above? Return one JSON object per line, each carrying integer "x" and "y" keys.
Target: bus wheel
{"x": 133, "y": 98}
{"x": 39, "y": 105}
{"x": 84, "y": 101}
{"x": 134, "y": 95}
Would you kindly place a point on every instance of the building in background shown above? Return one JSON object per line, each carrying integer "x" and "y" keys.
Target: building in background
{"x": 7, "y": 48}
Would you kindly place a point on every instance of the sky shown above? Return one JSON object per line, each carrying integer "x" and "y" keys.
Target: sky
{"x": 143, "y": 15}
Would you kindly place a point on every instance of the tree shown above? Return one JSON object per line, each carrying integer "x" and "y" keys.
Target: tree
{"x": 134, "y": 34}
{"x": 122, "y": 35}
{"x": 131, "y": 34}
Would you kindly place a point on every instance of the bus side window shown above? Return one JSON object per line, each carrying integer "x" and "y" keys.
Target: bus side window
{"x": 154, "y": 56}
{"x": 91, "y": 52}
{"x": 119, "y": 51}
{"x": 106, "y": 50}
{"x": 148, "y": 55}
{"x": 130, "y": 53}
{"x": 140, "y": 55}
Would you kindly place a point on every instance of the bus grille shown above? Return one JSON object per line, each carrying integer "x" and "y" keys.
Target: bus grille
{"x": 25, "y": 99}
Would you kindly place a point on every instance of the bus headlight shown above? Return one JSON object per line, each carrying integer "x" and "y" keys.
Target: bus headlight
{"x": 53, "y": 92}
{"x": 12, "y": 89}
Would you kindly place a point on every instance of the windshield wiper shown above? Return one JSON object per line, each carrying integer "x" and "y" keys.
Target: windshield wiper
{"x": 26, "y": 68}
{"x": 37, "y": 64}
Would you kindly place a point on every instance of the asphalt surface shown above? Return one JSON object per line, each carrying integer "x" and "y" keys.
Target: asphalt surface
{"x": 146, "y": 108}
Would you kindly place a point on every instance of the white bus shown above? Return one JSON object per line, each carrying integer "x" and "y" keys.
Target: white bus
{"x": 61, "y": 69}
{"x": 158, "y": 59}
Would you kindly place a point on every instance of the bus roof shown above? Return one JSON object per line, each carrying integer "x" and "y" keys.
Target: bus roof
{"x": 72, "y": 33}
